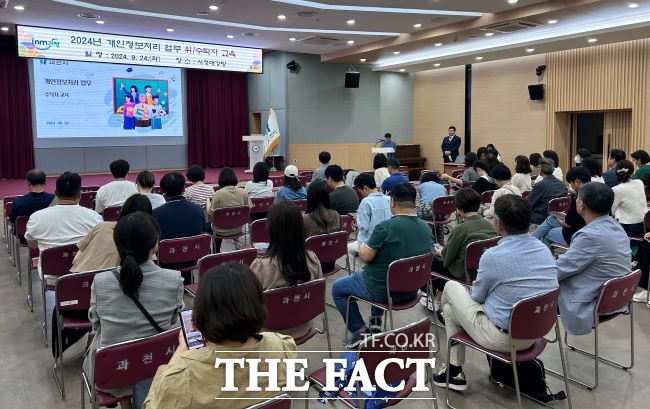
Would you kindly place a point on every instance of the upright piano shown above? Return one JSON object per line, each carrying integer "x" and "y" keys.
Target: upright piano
{"x": 409, "y": 155}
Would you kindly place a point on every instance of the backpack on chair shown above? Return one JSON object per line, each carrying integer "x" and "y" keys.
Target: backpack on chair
{"x": 532, "y": 378}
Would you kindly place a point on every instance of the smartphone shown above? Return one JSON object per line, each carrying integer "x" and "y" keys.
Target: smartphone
{"x": 193, "y": 338}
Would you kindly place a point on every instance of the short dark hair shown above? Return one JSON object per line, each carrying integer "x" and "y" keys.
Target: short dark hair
{"x": 119, "y": 168}
{"x": 580, "y": 173}
{"x": 431, "y": 176}
{"x": 227, "y": 177}
{"x": 195, "y": 173}
{"x": 393, "y": 163}
{"x": 514, "y": 213}
{"x": 228, "y": 305}
{"x": 470, "y": 158}
{"x": 173, "y": 184}
{"x": 593, "y": 166}
{"x": 479, "y": 164}
{"x": 534, "y": 159}
{"x": 365, "y": 180}
{"x": 388, "y": 135}
{"x": 641, "y": 155}
{"x": 452, "y": 127}
{"x": 136, "y": 203}
{"x": 522, "y": 164}
{"x": 624, "y": 170}
{"x": 500, "y": 172}
{"x": 36, "y": 177}
{"x": 546, "y": 166}
{"x": 598, "y": 197}
{"x": 403, "y": 194}
{"x": 583, "y": 153}
{"x": 68, "y": 185}
{"x": 147, "y": 86}
{"x": 335, "y": 172}
{"x": 468, "y": 200}
{"x": 379, "y": 161}
{"x": 324, "y": 157}
{"x": 145, "y": 179}
{"x": 552, "y": 155}
{"x": 480, "y": 151}
{"x": 617, "y": 154}
{"x": 260, "y": 172}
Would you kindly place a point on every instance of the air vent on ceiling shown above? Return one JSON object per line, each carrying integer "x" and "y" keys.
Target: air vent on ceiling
{"x": 250, "y": 34}
{"x": 307, "y": 14}
{"x": 512, "y": 26}
{"x": 89, "y": 16}
{"x": 319, "y": 40}
{"x": 202, "y": 13}
{"x": 438, "y": 19}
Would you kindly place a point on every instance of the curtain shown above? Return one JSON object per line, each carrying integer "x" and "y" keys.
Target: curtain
{"x": 217, "y": 118}
{"x": 16, "y": 144}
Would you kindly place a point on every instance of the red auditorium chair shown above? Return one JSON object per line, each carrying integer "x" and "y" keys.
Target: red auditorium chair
{"x": 525, "y": 194}
{"x": 278, "y": 180}
{"x": 125, "y": 364}
{"x": 560, "y": 204}
{"x": 486, "y": 197}
{"x": 302, "y": 204}
{"x": 91, "y": 188}
{"x": 157, "y": 190}
{"x": 112, "y": 214}
{"x": 306, "y": 175}
{"x": 473, "y": 253}
{"x": 244, "y": 256}
{"x": 6, "y": 205}
{"x": 380, "y": 347}
{"x": 328, "y": 248}
{"x": 32, "y": 260}
{"x": 259, "y": 233}
{"x": 229, "y": 218}
{"x": 87, "y": 199}
{"x": 442, "y": 209}
{"x": 184, "y": 253}
{"x": 260, "y": 206}
{"x": 530, "y": 319}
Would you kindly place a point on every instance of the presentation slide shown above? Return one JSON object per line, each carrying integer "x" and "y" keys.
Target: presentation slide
{"x": 94, "y": 100}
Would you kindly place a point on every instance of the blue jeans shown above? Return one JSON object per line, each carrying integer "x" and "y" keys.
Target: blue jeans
{"x": 354, "y": 285}
{"x": 549, "y": 232}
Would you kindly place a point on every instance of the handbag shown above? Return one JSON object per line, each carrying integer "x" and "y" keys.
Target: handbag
{"x": 141, "y": 307}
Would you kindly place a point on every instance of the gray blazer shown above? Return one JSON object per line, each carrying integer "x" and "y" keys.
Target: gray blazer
{"x": 543, "y": 192}
{"x": 599, "y": 251}
{"x": 116, "y": 318}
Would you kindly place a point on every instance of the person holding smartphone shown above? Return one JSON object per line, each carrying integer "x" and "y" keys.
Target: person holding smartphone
{"x": 229, "y": 313}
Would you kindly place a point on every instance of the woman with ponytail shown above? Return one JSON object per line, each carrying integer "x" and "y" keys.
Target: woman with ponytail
{"x": 115, "y": 295}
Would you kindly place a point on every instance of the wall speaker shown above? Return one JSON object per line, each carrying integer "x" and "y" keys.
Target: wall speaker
{"x": 293, "y": 66}
{"x": 536, "y": 92}
{"x": 352, "y": 79}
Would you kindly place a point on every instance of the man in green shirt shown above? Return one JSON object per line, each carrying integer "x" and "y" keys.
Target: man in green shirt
{"x": 403, "y": 235}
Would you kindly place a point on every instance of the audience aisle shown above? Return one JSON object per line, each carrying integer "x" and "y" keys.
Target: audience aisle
{"x": 27, "y": 380}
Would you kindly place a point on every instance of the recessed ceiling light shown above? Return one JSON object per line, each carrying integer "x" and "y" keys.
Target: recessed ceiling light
{"x": 396, "y": 52}
{"x": 350, "y": 42}
{"x": 530, "y": 50}
{"x": 19, "y": 8}
{"x": 438, "y": 44}
{"x": 479, "y": 58}
{"x": 100, "y": 22}
{"x": 402, "y": 70}
{"x": 363, "y": 60}
{"x": 633, "y": 5}
{"x": 513, "y": 1}
{"x": 230, "y": 36}
{"x": 489, "y": 34}
{"x": 4, "y": 28}
{"x": 170, "y": 30}
{"x": 214, "y": 8}
{"x": 282, "y": 17}
{"x": 350, "y": 22}
{"x": 552, "y": 21}
{"x": 418, "y": 25}
{"x": 436, "y": 64}
{"x": 592, "y": 40}
{"x": 292, "y": 39}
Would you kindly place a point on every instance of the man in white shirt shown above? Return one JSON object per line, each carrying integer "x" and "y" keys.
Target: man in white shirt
{"x": 116, "y": 192}
{"x": 63, "y": 224}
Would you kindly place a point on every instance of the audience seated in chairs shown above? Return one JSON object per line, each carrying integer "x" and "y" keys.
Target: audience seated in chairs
{"x": 609, "y": 176}
{"x": 228, "y": 196}
{"x": 380, "y": 167}
{"x": 229, "y": 313}
{"x": 469, "y": 174}
{"x": 484, "y": 182}
{"x": 429, "y": 189}
{"x": 557, "y": 171}
{"x": 450, "y": 261}
{"x": 401, "y": 236}
{"x": 502, "y": 177}
{"x": 522, "y": 177}
{"x": 97, "y": 249}
{"x": 517, "y": 268}
{"x": 37, "y": 198}
{"x": 287, "y": 262}
{"x": 558, "y": 230}
{"x": 598, "y": 252}
{"x": 534, "y": 163}
{"x": 630, "y": 204}
{"x": 63, "y": 224}
{"x": 594, "y": 169}
{"x": 320, "y": 218}
{"x": 292, "y": 189}
{"x": 178, "y": 217}
{"x": 116, "y": 192}
{"x": 642, "y": 160}
{"x": 319, "y": 173}
{"x": 550, "y": 187}
{"x": 373, "y": 209}
{"x": 120, "y": 297}
{"x": 144, "y": 182}
{"x": 581, "y": 154}
{"x": 343, "y": 198}
{"x": 395, "y": 177}
{"x": 260, "y": 186}
{"x": 199, "y": 192}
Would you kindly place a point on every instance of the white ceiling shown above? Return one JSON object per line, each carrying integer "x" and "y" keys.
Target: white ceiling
{"x": 376, "y": 32}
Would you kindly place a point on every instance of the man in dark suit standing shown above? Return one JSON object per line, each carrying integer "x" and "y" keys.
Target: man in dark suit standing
{"x": 450, "y": 146}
